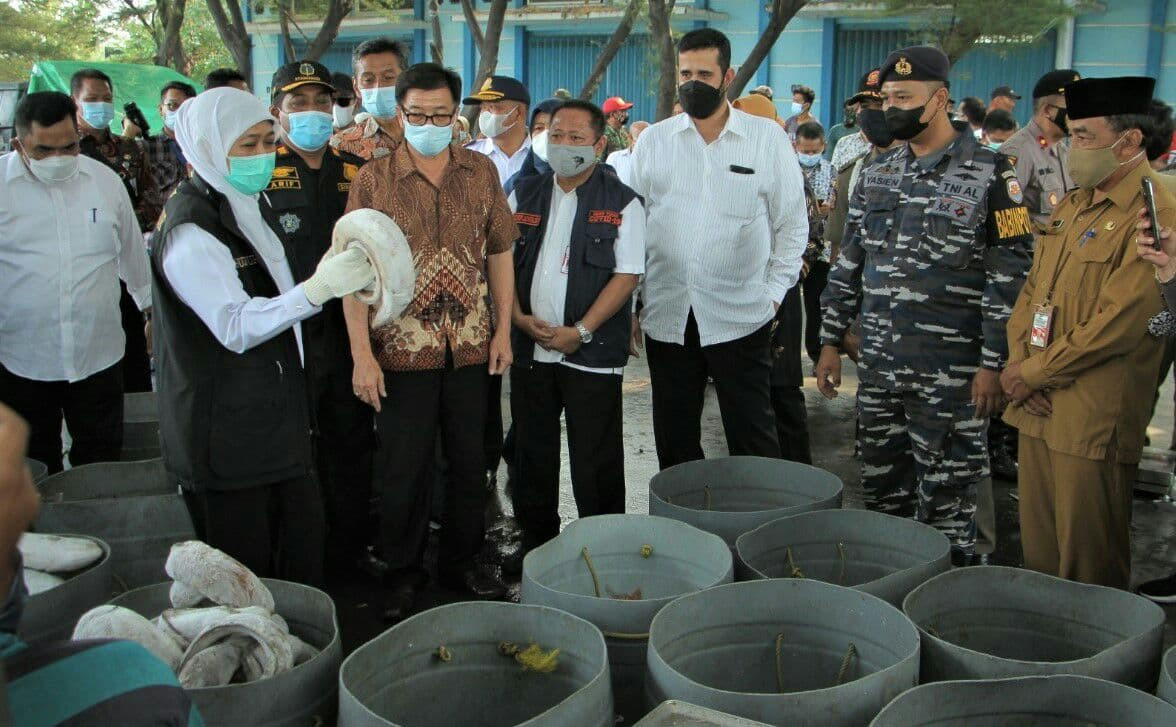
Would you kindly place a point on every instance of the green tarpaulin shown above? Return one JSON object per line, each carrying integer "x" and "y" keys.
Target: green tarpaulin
{"x": 132, "y": 82}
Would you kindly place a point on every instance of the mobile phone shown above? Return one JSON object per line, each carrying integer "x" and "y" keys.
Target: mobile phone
{"x": 1149, "y": 199}
{"x": 136, "y": 116}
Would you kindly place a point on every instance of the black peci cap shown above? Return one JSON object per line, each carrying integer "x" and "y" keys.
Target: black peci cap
{"x": 300, "y": 73}
{"x": 342, "y": 84}
{"x": 917, "y": 63}
{"x": 1054, "y": 82}
{"x": 500, "y": 88}
{"x": 1006, "y": 91}
{"x": 1090, "y": 97}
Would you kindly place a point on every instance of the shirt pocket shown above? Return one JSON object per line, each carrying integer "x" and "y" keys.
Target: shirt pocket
{"x": 1091, "y": 267}
{"x": 600, "y": 251}
{"x": 738, "y": 196}
{"x": 877, "y": 218}
{"x": 97, "y": 244}
{"x": 949, "y": 234}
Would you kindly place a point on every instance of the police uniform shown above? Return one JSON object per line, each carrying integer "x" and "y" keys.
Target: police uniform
{"x": 1078, "y": 333}
{"x": 1040, "y": 165}
{"x": 934, "y": 252}
{"x": 304, "y": 204}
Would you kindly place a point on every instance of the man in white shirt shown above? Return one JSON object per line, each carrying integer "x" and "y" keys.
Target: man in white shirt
{"x": 578, "y": 260}
{"x": 68, "y": 233}
{"x": 622, "y": 161}
{"x": 725, "y": 229}
{"x": 503, "y": 119}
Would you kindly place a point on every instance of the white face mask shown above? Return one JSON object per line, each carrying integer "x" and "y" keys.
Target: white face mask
{"x": 55, "y": 169}
{"x": 494, "y": 125}
{"x": 539, "y": 144}
{"x": 344, "y": 115}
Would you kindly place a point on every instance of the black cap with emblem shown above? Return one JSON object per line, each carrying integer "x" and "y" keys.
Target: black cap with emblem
{"x": 869, "y": 88}
{"x": 1090, "y": 97}
{"x": 500, "y": 88}
{"x": 1005, "y": 92}
{"x": 1054, "y": 82}
{"x": 917, "y": 63}
{"x": 300, "y": 73}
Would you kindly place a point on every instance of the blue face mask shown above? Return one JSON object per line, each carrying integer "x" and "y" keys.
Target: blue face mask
{"x": 250, "y": 175}
{"x": 427, "y": 139}
{"x": 170, "y": 118}
{"x": 797, "y": 108}
{"x": 310, "y": 130}
{"x": 809, "y": 160}
{"x": 993, "y": 146}
{"x": 379, "y": 102}
{"x": 98, "y": 114}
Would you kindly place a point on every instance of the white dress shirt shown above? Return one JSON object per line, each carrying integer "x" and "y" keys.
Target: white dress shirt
{"x": 507, "y": 166}
{"x": 63, "y": 248}
{"x": 202, "y": 272}
{"x": 549, "y": 285}
{"x": 724, "y": 244}
{"x": 621, "y": 160}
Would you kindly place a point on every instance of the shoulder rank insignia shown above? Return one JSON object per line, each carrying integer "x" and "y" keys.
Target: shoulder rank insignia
{"x": 349, "y": 171}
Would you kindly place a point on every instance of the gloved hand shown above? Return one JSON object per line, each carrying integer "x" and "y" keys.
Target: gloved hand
{"x": 338, "y": 276}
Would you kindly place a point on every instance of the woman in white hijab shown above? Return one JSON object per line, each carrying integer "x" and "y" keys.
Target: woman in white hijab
{"x": 234, "y": 420}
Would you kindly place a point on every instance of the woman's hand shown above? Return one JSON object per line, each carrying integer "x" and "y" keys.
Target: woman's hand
{"x": 367, "y": 380}
{"x": 1165, "y": 258}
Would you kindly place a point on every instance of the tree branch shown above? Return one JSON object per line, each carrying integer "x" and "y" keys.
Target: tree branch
{"x": 782, "y": 12}
{"x": 336, "y": 12}
{"x": 471, "y": 18}
{"x": 610, "y": 50}
{"x": 659, "y": 28}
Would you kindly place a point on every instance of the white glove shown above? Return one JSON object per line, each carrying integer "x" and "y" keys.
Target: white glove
{"x": 339, "y": 275}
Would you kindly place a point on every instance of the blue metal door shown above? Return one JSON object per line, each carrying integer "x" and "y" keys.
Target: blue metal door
{"x": 564, "y": 61}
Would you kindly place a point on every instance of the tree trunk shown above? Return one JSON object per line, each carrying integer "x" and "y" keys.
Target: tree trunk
{"x": 230, "y": 25}
{"x": 283, "y": 7}
{"x": 667, "y": 59}
{"x": 488, "y": 56}
{"x": 171, "y": 19}
{"x": 336, "y": 12}
{"x": 436, "y": 46}
{"x": 471, "y": 18}
{"x": 619, "y": 36}
{"x": 782, "y": 12}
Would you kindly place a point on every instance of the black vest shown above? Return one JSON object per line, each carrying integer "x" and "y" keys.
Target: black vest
{"x": 226, "y": 420}
{"x": 591, "y": 261}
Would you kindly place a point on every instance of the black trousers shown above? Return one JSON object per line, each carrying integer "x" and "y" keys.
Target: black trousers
{"x": 591, "y": 403}
{"x": 741, "y": 370}
{"x": 275, "y": 530}
{"x": 136, "y": 362}
{"x": 792, "y": 423}
{"x": 813, "y": 285}
{"x": 493, "y": 434}
{"x": 92, "y": 408}
{"x": 344, "y": 441}
{"x": 419, "y": 405}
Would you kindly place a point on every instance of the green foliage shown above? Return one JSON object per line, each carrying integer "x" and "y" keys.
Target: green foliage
{"x": 202, "y": 44}
{"x": 46, "y": 30}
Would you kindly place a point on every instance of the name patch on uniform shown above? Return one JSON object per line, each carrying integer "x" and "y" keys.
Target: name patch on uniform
{"x": 284, "y": 178}
{"x": 529, "y": 220}
{"x": 883, "y": 178}
{"x": 607, "y": 217}
{"x": 951, "y": 208}
{"x": 344, "y": 186}
{"x": 1012, "y": 222}
{"x": 244, "y": 262}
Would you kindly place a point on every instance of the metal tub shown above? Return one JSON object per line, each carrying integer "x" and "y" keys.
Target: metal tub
{"x": 51, "y": 615}
{"x": 778, "y": 651}
{"x": 672, "y": 713}
{"x": 39, "y": 469}
{"x": 729, "y": 496}
{"x": 995, "y": 623}
{"x": 140, "y": 426}
{"x": 880, "y": 554}
{"x": 401, "y": 677}
{"x": 681, "y": 559}
{"x": 305, "y": 695}
{"x": 1167, "y": 687}
{"x": 1040, "y": 701}
{"x": 130, "y": 505}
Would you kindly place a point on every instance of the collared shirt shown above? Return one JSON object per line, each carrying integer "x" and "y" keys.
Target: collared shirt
{"x": 507, "y": 166}
{"x": 549, "y": 290}
{"x": 622, "y": 163}
{"x": 367, "y": 139}
{"x": 166, "y": 162}
{"x": 63, "y": 248}
{"x": 820, "y": 179}
{"x": 725, "y": 226}
{"x": 128, "y": 159}
{"x": 848, "y": 150}
{"x": 1041, "y": 169}
{"x": 451, "y": 230}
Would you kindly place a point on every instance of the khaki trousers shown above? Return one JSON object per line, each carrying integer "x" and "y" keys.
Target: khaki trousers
{"x": 1075, "y": 514}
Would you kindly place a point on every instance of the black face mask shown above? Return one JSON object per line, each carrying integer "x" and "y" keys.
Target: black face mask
{"x": 624, "y": 118}
{"x": 699, "y": 99}
{"x": 1061, "y": 120}
{"x": 874, "y": 126}
{"x": 904, "y": 124}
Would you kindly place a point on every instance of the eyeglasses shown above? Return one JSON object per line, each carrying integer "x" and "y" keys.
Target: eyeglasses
{"x": 422, "y": 119}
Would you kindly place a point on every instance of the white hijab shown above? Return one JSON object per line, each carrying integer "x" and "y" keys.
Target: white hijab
{"x": 206, "y": 128}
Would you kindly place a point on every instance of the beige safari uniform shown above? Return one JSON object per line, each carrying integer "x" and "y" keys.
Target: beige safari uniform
{"x": 1041, "y": 170}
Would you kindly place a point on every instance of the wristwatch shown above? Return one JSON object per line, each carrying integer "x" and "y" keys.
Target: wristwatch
{"x": 585, "y": 334}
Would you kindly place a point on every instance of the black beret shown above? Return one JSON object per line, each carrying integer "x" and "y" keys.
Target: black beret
{"x": 1089, "y": 97}
{"x": 1054, "y": 82}
{"x": 917, "y": 63}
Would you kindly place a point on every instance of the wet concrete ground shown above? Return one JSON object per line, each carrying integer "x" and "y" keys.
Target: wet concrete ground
{"x": 831, "y": 424}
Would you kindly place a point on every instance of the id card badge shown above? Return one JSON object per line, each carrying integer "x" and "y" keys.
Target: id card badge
{"x": 1042, "y": 324}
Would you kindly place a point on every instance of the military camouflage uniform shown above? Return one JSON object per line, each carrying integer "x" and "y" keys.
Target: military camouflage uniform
{"x": 935, "y": 251}
{"x": 617, "y": 139}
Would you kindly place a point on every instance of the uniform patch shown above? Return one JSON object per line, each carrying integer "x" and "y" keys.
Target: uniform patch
{"x": 529, "y": 220}
{"x": 349, "y": 171}
{"x": 883, "y": 179}
{"x": 1012, "y": 159}
{"x": 344, "y": 186}
{"x": 284, "y": 178}
{"x": 1110, "y": 226}
{"x": 1012, "y": 222}
{"x": 290, "y": 222}
{"x": 285, "y": 172}
{"x": 1053, "y": 199}
{"x": 1014, "y": 188}
{"x": 244, "y": 262}
{"x": 607, "y": 217}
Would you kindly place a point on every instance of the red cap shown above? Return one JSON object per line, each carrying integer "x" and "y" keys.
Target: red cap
{"x": 616, "y": 103}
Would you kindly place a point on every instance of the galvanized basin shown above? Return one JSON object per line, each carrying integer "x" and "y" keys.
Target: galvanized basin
{"x": 729, "y": 496}
{"x": 880, "y": 554}
{"x": 994, "y": 623}
{"x": 305, "y": 695}
{"x": 1167, "y": 686}
{"x": 39, "y": 469}
{"x": 446, "y": 667}
{"x": 778, "y": 651}
{"x": 672, "y": 713}
{"x": 641, "y": 563}
{"x": 1046, "y": 700}
{"x": 51, "y": 615}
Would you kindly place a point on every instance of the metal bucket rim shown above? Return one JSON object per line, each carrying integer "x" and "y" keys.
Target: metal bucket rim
{"x": 105, "y": 558}
{"x": 911, "y": 525}
{"x": 601, "y": 674}
{"x": 65, "y": 474}
{"x": 641, "y": 603}
{"x": 903, "y": 621}
{"x": 838, "y": 491}
{"x": 993, "y": 570}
